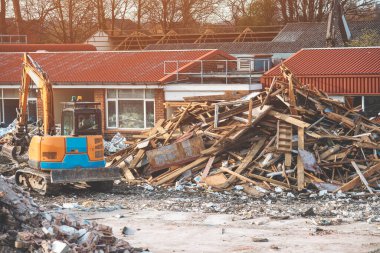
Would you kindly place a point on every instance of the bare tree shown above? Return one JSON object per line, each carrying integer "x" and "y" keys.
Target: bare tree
{"x": 163, "y": 12}
{"x": 18, "y": 16}
{"x": 72, "y": 20}
{"x": 3, "y": 10}
{"x": 116, "y": 10}
{"x": 196, "y": 11}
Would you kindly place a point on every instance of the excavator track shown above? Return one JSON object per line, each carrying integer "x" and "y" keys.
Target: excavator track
{"x": 37, "y": 181}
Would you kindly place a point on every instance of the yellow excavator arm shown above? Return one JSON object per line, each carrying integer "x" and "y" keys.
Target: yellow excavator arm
{"x": 33, "y": 72}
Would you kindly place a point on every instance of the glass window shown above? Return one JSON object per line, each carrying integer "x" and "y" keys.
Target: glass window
{"x": 149, "y": 114}
{"x": 149, "y": 94}
{"x": 68, "y": 123}
{"x": 87, "y": 121}
{"x": 132, "y": 94}
{"x": 111, "y": 114}
{"x": 130, "y": 109}
{"x": 111, "y": 93}
{"x": 32, "y": 111}
{"x": 10, "y": 93}
{"x": 131, "y": 114}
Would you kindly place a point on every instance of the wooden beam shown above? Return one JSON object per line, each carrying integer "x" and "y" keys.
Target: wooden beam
{"x": 177, "y": 123}
{"x": 289, "y": 119}
{"x": 247, "y": 160}
{"x": 236, "y": 175}
{"x": 356, "y": 180}
{"x": 272, "y": 181}
{"x": 207, "y": 168}
{"x": 361, "y": 176}
{"x": 179, "y": 171}
{"x": 300, "y": 166}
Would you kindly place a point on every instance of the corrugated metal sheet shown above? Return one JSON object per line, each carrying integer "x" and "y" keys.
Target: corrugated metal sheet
{"x": 103, "y": 67}
{"x": 335, "y": 70}
{"x": 369, "y": 85}
{"x": 46, "y": 47}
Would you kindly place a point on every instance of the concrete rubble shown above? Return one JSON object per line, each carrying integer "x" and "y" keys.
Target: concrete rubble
{"x": 290, "y": 137}
{"x": 25, "y": 228}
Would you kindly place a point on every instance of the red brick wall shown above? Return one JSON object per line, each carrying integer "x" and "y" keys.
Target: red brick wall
{"x": 40, "y": 111}
{"x": 159, "y": 97}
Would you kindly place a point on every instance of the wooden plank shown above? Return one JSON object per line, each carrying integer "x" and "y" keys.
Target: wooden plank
{"x": 137, "y": 158}
{"x": 208, "y": 167}
{"x": 272, "y": 181}
{"x": 356, "y": 180}
{"x": 236, "y": 175}
{"x": 269, "y": 92}
{"x": 300, "y": 166}
{"x": 177, "y": 123}
{"x": 179, "y": 171}
{"x": 289, "y": 119}
{"x": 362, "y": 178}
{"x": 250, "y": 107}
{"x": 255, "y": 148}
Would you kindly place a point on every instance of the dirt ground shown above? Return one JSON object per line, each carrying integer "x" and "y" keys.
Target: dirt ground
{"x": 196, "y": 220}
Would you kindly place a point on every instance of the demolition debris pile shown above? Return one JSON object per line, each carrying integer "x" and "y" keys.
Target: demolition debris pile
{"x": 24, "y": 228}
{"x": 290, "y": 136}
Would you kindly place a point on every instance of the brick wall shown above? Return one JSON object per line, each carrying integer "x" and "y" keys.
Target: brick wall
{"x": 159, "y": 98}
{"x": 40, "y": 111}
{"x": 99, "y": 96}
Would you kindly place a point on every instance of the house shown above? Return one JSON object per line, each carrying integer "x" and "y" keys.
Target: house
{"x": 351, "y": 75}
{"x": 131, "y": 86}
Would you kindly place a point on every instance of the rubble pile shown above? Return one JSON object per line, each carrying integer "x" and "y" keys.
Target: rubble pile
{"x": 290, "y": 136}
{"x": 23, "y": 227}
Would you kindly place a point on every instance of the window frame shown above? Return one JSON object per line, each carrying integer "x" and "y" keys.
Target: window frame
{"x": 116, "y": 101}
{"x": 2, "y": 98}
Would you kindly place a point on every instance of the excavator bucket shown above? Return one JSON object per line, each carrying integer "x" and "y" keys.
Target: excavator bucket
{"x": 9, "y": 151}
{"x": 16, "y": 153}
{"x": 85, "y": 175}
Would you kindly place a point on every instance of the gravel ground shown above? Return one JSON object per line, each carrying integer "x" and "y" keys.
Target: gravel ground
{"x": 355, "y": 206}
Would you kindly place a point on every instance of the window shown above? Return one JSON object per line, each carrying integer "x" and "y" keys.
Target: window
{"x": 130, "y": 108}
{"x": 9, "y": 102}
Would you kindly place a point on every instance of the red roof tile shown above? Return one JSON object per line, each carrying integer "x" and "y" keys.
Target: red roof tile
{"x": 45, "y": 47}
{"x": 103, "y": 67}
{"x": 332, "y": 62}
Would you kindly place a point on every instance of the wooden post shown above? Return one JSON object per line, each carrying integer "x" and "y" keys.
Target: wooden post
{"x": 300, "y": 167}
{"x": 250, "y": 107}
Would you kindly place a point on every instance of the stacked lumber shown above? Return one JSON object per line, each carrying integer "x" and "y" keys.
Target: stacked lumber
{"x": 290, "y": 136}
{"x": 23, "y": 228}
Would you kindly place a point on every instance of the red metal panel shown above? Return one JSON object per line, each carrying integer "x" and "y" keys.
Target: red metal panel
{"x": 103, "y": 67}
{"x": 336, "y": 70}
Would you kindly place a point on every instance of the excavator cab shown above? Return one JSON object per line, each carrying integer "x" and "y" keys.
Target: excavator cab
{"x": 81, "y": 118}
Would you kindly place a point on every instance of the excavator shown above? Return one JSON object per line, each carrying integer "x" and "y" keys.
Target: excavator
{"x": 77, "y": 155}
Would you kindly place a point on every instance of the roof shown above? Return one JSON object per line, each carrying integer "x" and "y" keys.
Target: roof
{"x": 292, "y": 38}
{"x": 122, "y": 67}
{"x": 45, "y": 47}
{"x": 332, "y": 62}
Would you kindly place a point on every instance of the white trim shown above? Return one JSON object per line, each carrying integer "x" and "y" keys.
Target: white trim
{"x": 212, "y": 87}
{"x": 117, "y": 99}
